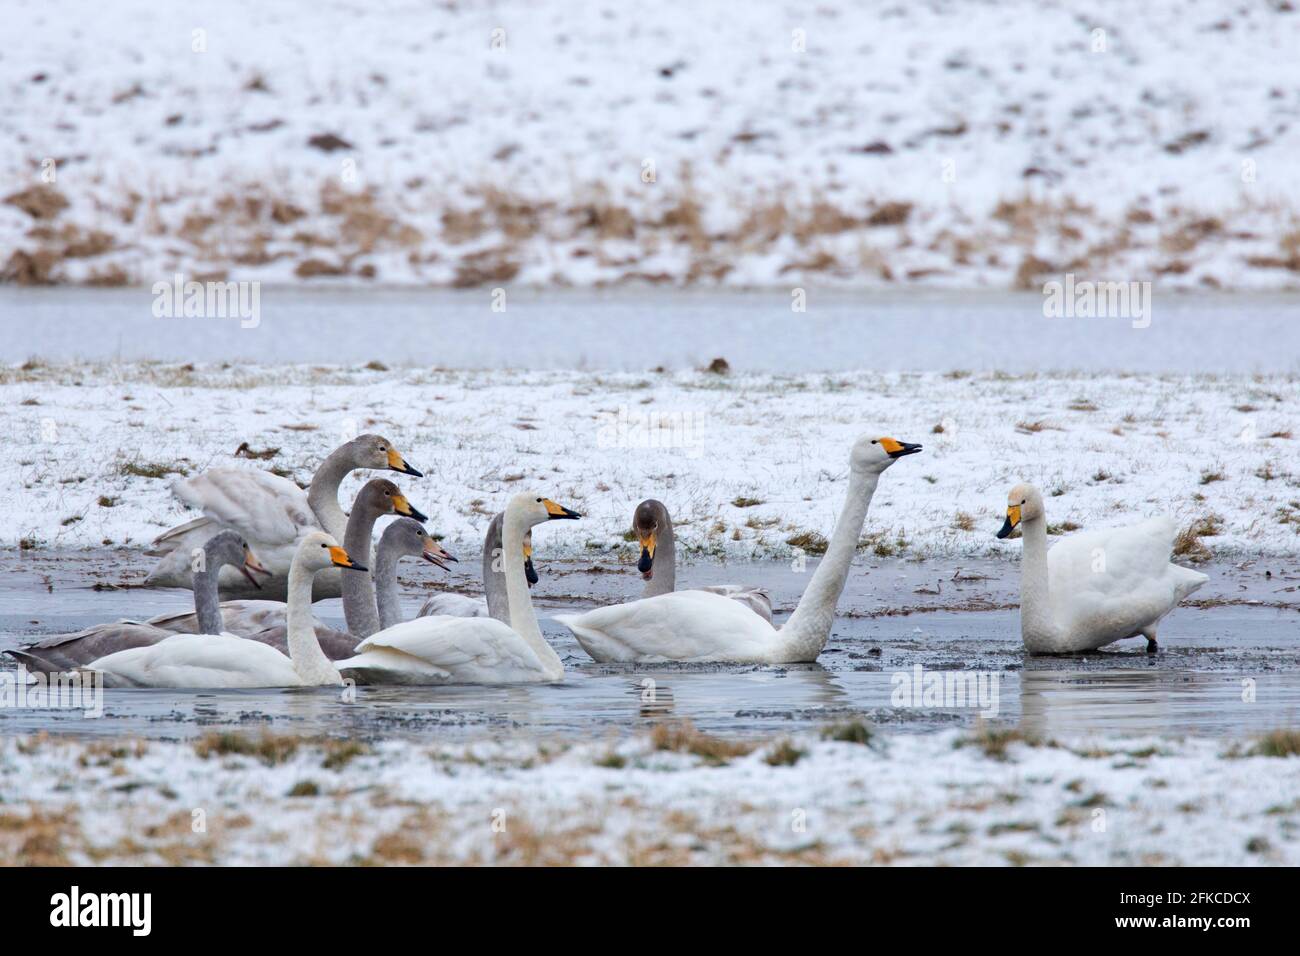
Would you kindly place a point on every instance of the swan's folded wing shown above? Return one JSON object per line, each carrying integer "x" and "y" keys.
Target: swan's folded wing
{"x": 480, "y": 649}
{"x": 265, "y": 508}
{"x": 678, "y": 626}
{"x": 242, "y": 617}
{"x": 199, "y": 660}
{"x": 756, "y": 599}
{"x": 65, "y": 652}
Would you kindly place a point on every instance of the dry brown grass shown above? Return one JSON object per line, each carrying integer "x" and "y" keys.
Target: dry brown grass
{"x": 682, "y": 737}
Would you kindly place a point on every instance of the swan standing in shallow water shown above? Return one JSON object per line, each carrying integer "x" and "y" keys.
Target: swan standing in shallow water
{"x": 1095, "y": 587}
{"x": 702, "y": 626}
{"x": 493, "y": 603}
{"x": 653, "y": 526}
{"x": 472, "y": 650}
{"x": 227, "y": 661}
{"x": 271, "y": 513}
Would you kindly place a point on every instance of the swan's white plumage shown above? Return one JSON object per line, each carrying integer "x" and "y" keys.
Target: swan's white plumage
{"x": 1110, "y": 584}
{"x": 453, "y": 650}
{"x": 199, "y": 660}
{"x": 447, "y": 604}
{"x": 690, "y": 625}
{"x": 241, "y": 617}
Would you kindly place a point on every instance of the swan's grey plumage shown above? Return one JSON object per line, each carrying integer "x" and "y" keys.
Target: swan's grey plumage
{"x": 653, "y": 527}
{"x": 494, "y": 603}
{"x": 270, "y": 512}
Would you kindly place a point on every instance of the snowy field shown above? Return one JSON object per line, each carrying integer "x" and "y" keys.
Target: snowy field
{"x": 953, "y": 142}
{"x": 748, "y": 463}
{"x": 671, "y": 798}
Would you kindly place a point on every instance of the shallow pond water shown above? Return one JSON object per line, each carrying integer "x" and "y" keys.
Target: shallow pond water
{"x": 894, "y": 617}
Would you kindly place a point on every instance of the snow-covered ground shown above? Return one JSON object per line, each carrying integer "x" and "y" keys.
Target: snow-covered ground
{"x": 944, "y": 798}
{"x": 951, "y": 142}
{"x": 746, "y": 462}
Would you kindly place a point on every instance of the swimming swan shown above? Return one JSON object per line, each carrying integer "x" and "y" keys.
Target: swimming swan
{"x": 67, "y": 652}
{"x": 1096, "y": 587}
{"x": 271, "y": 513}
{"x": 227, "y": 661}
{"x": 493, "y": 603}
{"x": 653, "y": 526}
{"x": 703, "y": 626}
{"x": 472, "y": 650}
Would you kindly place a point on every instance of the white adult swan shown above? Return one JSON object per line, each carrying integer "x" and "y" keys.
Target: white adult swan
{"x": 472, "y": 650}
{"x": 653, "y": 526}
{"x": 1096, "y": 587}
{"x": 271, "y": 513}
{"x": 702, "y": 626}
{"x": 493, "y": 603}
{"x": 227, "y": 661}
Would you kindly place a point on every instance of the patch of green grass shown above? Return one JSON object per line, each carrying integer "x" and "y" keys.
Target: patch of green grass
{"x": 995, "y": 741}
{"x": 740, "y": 501}
{"x": 612, "y": 761}
{"x": 304, "y": 788}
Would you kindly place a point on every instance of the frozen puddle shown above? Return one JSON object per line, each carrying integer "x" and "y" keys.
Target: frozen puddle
{"x": 1224, "y": 670}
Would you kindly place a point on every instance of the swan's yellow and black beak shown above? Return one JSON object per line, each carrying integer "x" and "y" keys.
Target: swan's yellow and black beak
{"x": 435, "y": 553}
{"x": 530, "y": 572}
{"x": 897, "y": 449}
{"x": 1012, "y": 522}
{"x": 341, "y": 559}
{"x": 403, "y": 507}
{"x": 397, "y": 463}
{"x": 554, "y": 511}
{"x": 250, "y": 565}
{"x": 647, "y": 562}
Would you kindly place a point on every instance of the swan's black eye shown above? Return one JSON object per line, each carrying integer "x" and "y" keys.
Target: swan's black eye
{"x": 1024, "y": 501}
{"x": 539, "y": 501}
{"x": 324, "y": 545}
{"x": 875, "y": 441}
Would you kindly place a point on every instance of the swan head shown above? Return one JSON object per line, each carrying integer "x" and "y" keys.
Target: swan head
{"x": 534, "y": 509}
{"x": 227, "y": 547}
{"x": 1024, "y": 503}
{"x": 408, "y": 537}
{"x": 381, "y": 497}
{"x": 875, "y": 453}
{"x": 649, "y": 517}
{"x": 319, "y": 551}
{"x": 378, "y": 453}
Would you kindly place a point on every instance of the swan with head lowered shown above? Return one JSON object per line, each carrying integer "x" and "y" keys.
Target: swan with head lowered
{"x": 271, "y": 513}
{"x": 1096, "y": 587}
{"x": 471, "y": 650}
{"x": 494, "y": 602}
{"x": 703, "y": 626}
{"x": 653, "y": 526}
{"x": 228, "y": 661}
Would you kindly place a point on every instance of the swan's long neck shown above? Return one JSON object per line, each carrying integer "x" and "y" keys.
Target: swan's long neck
{"x": 494, "y": 579}
{"x": 304, "y": 650}
{"x": 386, "y": 595}
{"x": 207, "y": 600}
{"x": 1035, "y": 589}
{"x": 323, "y": 492}
{"x": 805, "y": 634}
{"x": 665, "y": 563}
{"x": 358, "y": 588}
{"x": 523, "y": 621}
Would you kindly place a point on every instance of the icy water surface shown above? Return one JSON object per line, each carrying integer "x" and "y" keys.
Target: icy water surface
{"x": 895, "y": 615}
{"x": 637, "y": 329}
